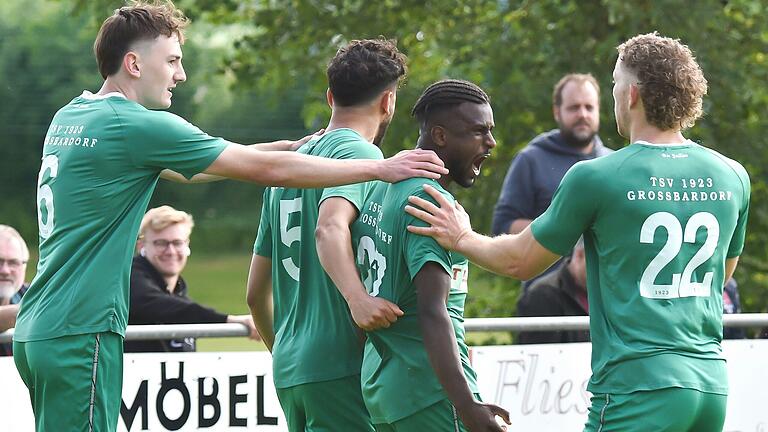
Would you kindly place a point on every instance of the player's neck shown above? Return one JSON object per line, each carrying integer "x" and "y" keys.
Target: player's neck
{"x": 113, "y": 85}
{"x": 425, "y": 144}
{"x": 360, "y": 121}
{"x": 653, "y": 135}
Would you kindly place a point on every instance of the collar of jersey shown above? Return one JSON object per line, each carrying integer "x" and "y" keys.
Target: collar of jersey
{"x": 666, "y": 145}
{"x": 90, "y": 96}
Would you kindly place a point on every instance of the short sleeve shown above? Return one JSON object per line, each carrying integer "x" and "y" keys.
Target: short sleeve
{"x": 164, "y": 140}
{"x": 352, "y": 149}
{"x": 516, "y": 200}
{"x": 737, "y": 241}
{"x": 418, "y": 249}
{"x": 570, "y": 215}
{"x": 263, "y": 244}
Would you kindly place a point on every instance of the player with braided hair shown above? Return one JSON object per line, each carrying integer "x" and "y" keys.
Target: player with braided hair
{"x": 424, "y": 350}
{"x": 447, "y": 93}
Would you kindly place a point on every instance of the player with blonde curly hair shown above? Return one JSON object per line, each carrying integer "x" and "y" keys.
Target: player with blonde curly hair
{"x": 664, "y": 222}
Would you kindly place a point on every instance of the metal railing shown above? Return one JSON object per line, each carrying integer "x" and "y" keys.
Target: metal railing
{"x": 174, "y": 331}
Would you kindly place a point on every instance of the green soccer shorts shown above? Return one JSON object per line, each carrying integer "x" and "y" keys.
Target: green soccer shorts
{"x": 326, "y": 406}
{"x": 440, "y": 416}
{"x": 75, "y": 382}
{"x": 664, "y": 410}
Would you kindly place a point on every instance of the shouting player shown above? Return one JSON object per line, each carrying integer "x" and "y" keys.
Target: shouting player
{"x": 416, "y": 373}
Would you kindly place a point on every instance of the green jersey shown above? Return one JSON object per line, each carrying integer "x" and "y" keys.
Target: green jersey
{"x": 658, "y": 224}
{"x": 101, "y": 160}
{"x": 315, "y": 336}
{"x": 389, "y": 257}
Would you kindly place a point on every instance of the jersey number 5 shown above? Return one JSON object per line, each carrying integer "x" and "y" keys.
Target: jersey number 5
{"x": 45, "y": 196}
{"x": 682, "y": 285}
{"x": 290, "y": 235}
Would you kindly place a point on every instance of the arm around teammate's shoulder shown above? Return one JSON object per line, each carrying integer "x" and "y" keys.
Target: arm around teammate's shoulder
{"x": 304, "y": 171}
{"x": 519, "y": 256}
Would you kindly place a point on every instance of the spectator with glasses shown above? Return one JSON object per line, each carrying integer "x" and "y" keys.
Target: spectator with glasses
{"x": 158, "y": 292}
{"x": 13, "y": 266}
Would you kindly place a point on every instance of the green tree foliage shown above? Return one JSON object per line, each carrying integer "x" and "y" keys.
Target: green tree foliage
{"x": 517, "y": 50}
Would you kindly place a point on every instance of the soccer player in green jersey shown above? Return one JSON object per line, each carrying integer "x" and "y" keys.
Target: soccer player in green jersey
{"x": 416, "y": 373}
{"x": 663, "y": 223}
{"x": 302, "y": 317}
{"x": 102, "y": 157}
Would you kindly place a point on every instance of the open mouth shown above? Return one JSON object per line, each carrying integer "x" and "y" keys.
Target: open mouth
{"x": 478, "y": 163}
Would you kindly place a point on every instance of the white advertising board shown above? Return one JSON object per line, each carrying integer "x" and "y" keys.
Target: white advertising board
{"x": 543, "y": 387}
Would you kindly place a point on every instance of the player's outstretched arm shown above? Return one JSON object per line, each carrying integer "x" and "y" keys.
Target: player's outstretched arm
{"x": 516, "y": 255}
{"x": 432, "y": 287}
{"x": 281, "y": 145}
{"x": 302, "y": 171}
{"x": 334, "y": 248}
{"x": 259, "y": 298}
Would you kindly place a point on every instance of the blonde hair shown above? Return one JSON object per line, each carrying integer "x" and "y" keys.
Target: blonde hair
{"x": 8, "y": 232}
{"x": 160, "y": 218}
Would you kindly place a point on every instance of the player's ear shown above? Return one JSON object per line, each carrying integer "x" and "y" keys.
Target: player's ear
{"x": 387, "y": 103}
{"x": 634, "y": 95}
{"x": 438, "y": 135}
{"x": 556, "y": 113}
{"x": 131, "y": 64}
{"x": 329, "y": 97}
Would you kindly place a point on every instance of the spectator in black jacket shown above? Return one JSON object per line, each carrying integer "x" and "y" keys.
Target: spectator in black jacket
{"x": 562, "y": 292}
{"x": 158, "y": 292}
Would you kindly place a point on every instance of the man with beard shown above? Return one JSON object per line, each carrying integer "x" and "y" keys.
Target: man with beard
{"x": 416, "y": 373}
{"x": 537, "y": 170}
{"x": 13, "y": 265}
{"x": 303, "y": 319}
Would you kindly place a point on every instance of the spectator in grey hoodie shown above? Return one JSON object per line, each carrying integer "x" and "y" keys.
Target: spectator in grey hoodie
{"x": 538, "y": 168}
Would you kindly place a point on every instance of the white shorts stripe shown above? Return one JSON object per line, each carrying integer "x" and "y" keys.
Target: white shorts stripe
{"x": 93, "y": 381}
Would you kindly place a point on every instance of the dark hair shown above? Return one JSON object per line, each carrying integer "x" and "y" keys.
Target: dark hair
{"x": 557, "y": 93}
{"x": 671, "y": 83}
{"x": 447, "y": 94}
{"x": 363, "y": 69}
{"x": 137, "y": 21}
